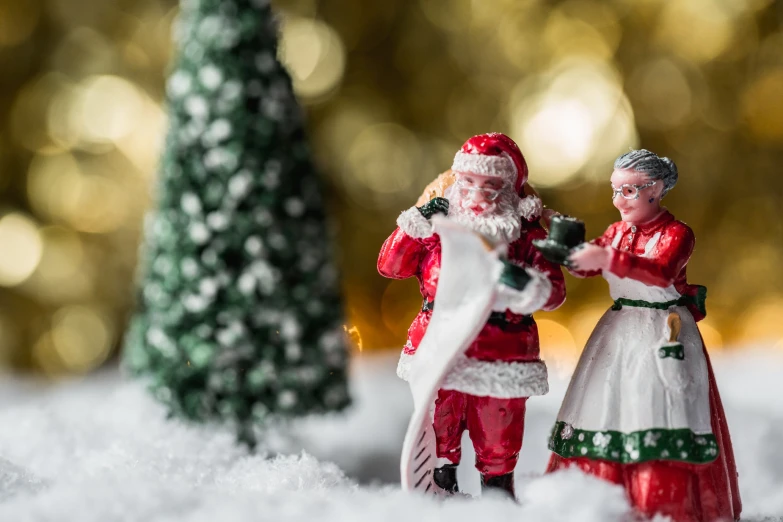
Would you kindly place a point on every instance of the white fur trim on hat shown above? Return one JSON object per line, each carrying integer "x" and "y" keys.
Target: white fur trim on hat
{"x": 530, "y": 207}
{"x": 413, "y": 223}
{"x": 499, "y": 379}
{"x": 530, "y": 299}
{"x": 500, "y": 165}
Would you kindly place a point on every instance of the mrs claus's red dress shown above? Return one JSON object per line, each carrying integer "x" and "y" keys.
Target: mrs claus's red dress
{"x": 642, "y": 409}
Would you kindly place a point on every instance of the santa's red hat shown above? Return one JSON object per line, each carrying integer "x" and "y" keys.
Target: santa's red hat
{"x": 493, "y": 154}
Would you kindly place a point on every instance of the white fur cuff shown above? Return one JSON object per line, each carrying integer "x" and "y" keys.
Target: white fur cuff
{"x": 530, "y": 207}
{"x": 413, "y": 223}
{"x": 524, "y": 302}
{"x": 500, "y": 166}
{"x": 499, "y": 379}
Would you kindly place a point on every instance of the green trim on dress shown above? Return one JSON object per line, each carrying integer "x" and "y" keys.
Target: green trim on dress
{"x": 682, "y": 445}
{"x": 698, "y": 300}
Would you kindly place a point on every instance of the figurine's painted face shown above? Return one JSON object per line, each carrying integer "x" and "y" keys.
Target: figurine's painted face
{"x": 478, "y": 192}
{"x": 487, "y": 205}
{"x": 643, "y": 203}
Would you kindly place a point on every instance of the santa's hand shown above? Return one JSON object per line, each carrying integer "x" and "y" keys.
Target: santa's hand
{"x": 520, "y": 294}
{"x": 434, "y": 206}
{"x": 588, "y": 257}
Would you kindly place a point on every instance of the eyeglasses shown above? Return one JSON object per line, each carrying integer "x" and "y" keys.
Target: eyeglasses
{"x": 489, "y": 193}
{"x": 630, "y": 191}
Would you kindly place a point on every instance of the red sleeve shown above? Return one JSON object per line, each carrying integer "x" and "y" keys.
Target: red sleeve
{"x": 400, "y": 256}
{"x": 533, "y": 257}
{"x": 667, "y": 260}
{"x": 607, "y": 237}
{"x": 603, "y": 240}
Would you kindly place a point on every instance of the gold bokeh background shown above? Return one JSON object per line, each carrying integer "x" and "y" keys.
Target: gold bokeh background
{"x": 392, "y": 89}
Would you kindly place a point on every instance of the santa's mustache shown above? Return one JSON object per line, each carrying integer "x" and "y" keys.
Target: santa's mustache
{"x": 500, "y": 220}
{"x": 469, "y": 203}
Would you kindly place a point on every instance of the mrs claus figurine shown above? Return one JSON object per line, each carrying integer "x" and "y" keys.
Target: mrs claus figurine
{"x": 482, "y": 360}
{"x": 642, "y": 409}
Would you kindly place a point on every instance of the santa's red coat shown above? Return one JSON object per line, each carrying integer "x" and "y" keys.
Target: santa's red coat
{"x": 511, "y": 342}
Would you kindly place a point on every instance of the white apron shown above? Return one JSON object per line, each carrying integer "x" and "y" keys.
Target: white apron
{"x": 635, "y": 396}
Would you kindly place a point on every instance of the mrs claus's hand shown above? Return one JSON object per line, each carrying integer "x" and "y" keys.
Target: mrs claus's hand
{"x": 590, "y": 257}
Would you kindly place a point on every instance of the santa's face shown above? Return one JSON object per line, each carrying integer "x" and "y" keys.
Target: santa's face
{"x": 636, "y": 196}
{"x": 478, "y": 193}
{"x": 487, "y": 205}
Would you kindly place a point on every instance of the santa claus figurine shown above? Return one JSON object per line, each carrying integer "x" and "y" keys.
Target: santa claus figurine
{"x": 485, "y": 390}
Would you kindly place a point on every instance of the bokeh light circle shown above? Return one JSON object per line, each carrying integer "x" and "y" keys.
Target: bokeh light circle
{"x": 314, "y": 55}
{"x": 22, "y": 248}
{"x": 574, "y": 116}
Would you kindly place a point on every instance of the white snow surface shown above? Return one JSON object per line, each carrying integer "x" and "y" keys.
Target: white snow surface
{"x": 100, "y": 449}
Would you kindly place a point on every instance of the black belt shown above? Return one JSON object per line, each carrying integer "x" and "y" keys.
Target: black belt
{"x": 499, "y": 318}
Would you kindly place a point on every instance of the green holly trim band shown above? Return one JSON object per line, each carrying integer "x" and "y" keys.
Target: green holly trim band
{"x": 698, "y": 300}
{"x": 675, "y": 351}
{"x": 630, "y": 448}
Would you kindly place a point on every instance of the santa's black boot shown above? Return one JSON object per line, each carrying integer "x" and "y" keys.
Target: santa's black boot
{"x": 445, "y": 478}
{"x": 501, "y": 483}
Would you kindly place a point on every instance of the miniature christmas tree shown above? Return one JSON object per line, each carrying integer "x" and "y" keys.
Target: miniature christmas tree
{"x": 239, "y": 316}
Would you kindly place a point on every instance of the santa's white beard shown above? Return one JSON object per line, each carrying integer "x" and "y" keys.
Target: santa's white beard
{"x": 501, "y": 224}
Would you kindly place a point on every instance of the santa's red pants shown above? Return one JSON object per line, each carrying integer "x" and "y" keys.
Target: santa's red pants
{"x": 678, "y": 490}
{"x": 495, "y": 426}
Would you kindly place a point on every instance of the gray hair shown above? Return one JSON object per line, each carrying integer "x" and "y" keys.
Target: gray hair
{"x": 649, "y": 163}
